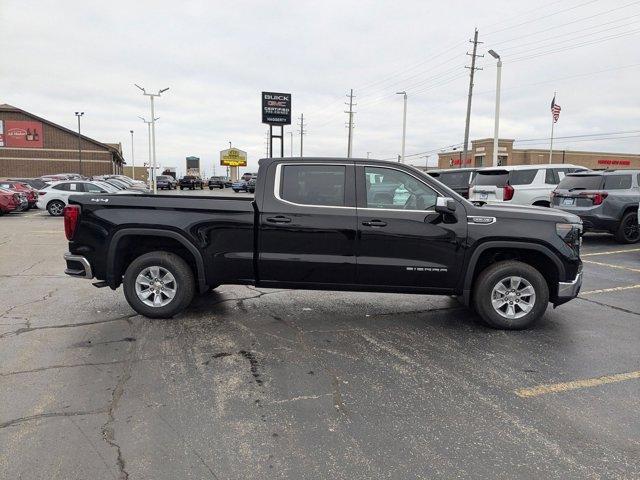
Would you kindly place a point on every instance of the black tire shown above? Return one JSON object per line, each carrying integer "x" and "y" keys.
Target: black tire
{"x": 628, "y": 231}
{"x": 210, "y": 187}
{"x": 491, "y": 277}
{"x": 55, "y": 207}
{"x": 184, "y": 284}
{"x": 181, "y": 187}
{"x": 221, "y": 187}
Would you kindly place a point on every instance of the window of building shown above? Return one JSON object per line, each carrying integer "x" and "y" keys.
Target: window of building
{"x": 393, "y": 189}
{"x": 314, "y": 184}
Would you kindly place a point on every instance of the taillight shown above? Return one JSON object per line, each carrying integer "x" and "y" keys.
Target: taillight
{"x": 507, "y": 192}
{"x": 596, "y": 197}
{"x": 71, "y": 215}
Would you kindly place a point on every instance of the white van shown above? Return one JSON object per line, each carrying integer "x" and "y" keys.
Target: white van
{"x": 519, "y": 184}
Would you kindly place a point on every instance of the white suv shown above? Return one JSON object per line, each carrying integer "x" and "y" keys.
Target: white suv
{"x": 519, "y": 184}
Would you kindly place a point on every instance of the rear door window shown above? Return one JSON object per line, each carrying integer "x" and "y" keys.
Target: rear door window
{"x": 581, "y": 182}
{"x": 322, "y": 185}
{"x": 497, "y": 178}
{"x": 522, "y": 177}
{"x": 455, "y": 179}
{"x": 63, "y": 186}
{"x": 617, "y": 182}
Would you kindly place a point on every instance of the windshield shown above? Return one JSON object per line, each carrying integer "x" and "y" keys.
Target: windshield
{"x": 497, "y": 178}
{"x": 581, "y": 182}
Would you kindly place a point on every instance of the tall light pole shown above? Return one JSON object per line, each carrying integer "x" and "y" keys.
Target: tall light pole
{"x": 148, "y": 122}
{"x": 133, "y": 161}
{"x": 496, "y": 127}
{"x": 79, "y": 114}
{"x": 153, "y": 130}
{"x": 404, "y": 124}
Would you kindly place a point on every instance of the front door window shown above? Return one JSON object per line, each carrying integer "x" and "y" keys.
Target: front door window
{"x": 393, "y": 189}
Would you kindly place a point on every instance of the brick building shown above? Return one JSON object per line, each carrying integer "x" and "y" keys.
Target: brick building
{"x": 481, "y": 155}
{"x": 31, "y": 146}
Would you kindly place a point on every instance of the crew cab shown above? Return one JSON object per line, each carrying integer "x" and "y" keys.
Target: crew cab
{"x": 319, "y": 223}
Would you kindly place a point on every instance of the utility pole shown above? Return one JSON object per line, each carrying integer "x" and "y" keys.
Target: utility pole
{"x": 133, "y": 161}
{"x": 368, "y": 155}
{"x": 79, "y": 114}
{"x": 350, "y": 124}
{"x": 153, "y": 131}
{"x": 473, "y": 68}
{"x": 302, "y": 132}
{"x": 291, "y": 134}
{"x": 266, "y": 136}
{"x": 404, "y": 125}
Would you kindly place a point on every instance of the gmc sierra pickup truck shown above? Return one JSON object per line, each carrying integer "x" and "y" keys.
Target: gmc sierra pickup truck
{"x": 321, "y": 223}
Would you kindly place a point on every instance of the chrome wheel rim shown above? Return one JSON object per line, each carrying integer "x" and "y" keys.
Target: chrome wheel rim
{"x": 513, "y": 297}
{"x": 56, "y": 208}
{"x": 156, "y": 286}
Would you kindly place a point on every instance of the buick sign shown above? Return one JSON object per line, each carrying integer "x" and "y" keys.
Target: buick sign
{"x": 276, "y": 108}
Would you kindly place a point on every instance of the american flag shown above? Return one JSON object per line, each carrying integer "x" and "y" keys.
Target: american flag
{"x": 555, "y": 110}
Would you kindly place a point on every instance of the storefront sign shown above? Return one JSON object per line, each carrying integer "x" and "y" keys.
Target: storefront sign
{"x": 22, "y": 134}
{"x": 606, "y": 161}
{"x": 233, "y": 157}
{"x": 276, "y": 108}
{"x": 458, "y": 161}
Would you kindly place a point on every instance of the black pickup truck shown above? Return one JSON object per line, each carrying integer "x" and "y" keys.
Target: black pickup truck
{"x": 318, "y": 223}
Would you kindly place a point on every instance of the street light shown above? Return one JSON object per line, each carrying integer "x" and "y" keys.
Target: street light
{"x": 404, "y": 124}
{"x": 148, "y": 122}
{"x": 153, "y": 130}
{"x": 133, "y": 161}
{"x": 79, "y": 114}
{"x": 497, "y": 114}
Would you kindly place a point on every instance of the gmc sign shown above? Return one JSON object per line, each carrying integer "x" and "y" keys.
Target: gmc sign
{"x": 276, "y": 108}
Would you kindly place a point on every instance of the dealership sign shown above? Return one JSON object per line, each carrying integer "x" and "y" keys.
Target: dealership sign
{"x": 233, "y": 157}
{"x": 606, "y": 161}
{"x": 22, "y": 134}
{"x": 276, "y": 108}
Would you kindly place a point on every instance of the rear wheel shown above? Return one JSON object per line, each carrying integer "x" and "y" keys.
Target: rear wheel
{"x": 55, "y": 208}
{"x": 158, "y": 284}
{"x": 510, "y": 295}
{"x": 628, "y": 231}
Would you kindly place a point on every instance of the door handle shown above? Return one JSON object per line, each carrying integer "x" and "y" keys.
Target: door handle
{"x": 374, "y": 223}
{"x": 278, "y": 219}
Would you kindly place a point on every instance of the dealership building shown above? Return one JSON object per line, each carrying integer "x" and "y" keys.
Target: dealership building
{"x": 31, "y": 146}
{"x": 481, "y": 155}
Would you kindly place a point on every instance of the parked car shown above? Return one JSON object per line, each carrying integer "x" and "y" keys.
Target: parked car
{"x": 32, "y": 182}
{"x": 29, "y": 192}
{"x": 457, "y": 179}
{"x": 130, "y": 180}
{"x": 606, "y": 201}
{"x": 191, "y": 182}
{"x": 251, "y": 185}
{"x": 126, "y": 182}
{"x": 166, "y": 182}
{"x": 246, "y": 176}
{"x": 10, "y": 201}
{"x": 310, "y": 227}
{"x": 216, "y": 182}
{"x": 240, "y": 186}
{"x": 519, "y": 184}
{"x": 55, "y": 197}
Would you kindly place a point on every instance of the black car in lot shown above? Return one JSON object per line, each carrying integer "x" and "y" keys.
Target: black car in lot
{"x": 312, "y": 225}
{"x": 191, "y": 182}
{"x": 166, "y": 182}
{"x": 606, "y": 201}
{"x": 251, "y": 185}
{"x": 457, "y": 179}
{"x": 217, "y": 182}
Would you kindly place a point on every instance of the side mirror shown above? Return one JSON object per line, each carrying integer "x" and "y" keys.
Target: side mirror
{"x": 445, "y": 205}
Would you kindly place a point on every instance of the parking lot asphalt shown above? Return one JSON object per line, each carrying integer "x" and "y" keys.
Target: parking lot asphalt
{"x": 253, "y": 383}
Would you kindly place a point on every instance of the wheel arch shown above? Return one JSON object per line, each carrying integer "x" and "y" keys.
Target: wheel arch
{"x": 116, "y": 264}
{"x": 538, "y": 256}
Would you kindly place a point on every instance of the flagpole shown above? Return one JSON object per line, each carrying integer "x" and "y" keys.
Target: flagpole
{"x": 552, "y": 124}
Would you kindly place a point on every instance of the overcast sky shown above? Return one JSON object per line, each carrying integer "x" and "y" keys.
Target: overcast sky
{"x": 216, "y": 57}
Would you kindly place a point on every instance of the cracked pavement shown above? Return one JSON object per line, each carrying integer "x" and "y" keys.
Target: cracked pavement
{"x": 253, "y": 383}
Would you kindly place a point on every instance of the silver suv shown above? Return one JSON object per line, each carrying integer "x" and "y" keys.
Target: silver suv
{"x": 606, "y": 201}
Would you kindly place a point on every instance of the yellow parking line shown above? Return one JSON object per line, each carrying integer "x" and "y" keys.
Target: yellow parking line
{"x": 605, "y": 290}
{"x": 612, "y": 266}
{"x": 610, "y": 252}
{"x": 576, "y": 384}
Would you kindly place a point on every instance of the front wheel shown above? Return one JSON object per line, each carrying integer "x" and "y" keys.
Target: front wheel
{"x": 158, "y": 284}
{"x": 55, "y": 208}
{"x": 628, "y": 231}
{"x": 510, "y": 295}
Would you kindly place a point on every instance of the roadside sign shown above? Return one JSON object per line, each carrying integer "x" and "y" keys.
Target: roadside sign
{"x": 276, "y": 108}
{"x": 233, "y": 157}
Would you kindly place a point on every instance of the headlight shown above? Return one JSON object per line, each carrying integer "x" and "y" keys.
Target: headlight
{"x": 570, "y": 233}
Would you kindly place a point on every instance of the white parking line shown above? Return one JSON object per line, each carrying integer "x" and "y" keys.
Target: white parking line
{"x": 612, "y": 266}
{"x": 606, "y": 290}
{"x": 612, "y": 252}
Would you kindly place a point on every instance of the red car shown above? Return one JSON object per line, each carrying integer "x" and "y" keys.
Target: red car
{"x": 9, "y": 201}
{"x": 20, "y": 187}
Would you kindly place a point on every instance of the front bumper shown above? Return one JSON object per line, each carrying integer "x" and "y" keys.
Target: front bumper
{"x": 568, "y": 290}
{"x": 78, "y": 266}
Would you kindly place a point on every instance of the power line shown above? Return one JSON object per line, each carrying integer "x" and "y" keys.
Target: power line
{"x": 472, "y": 70}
